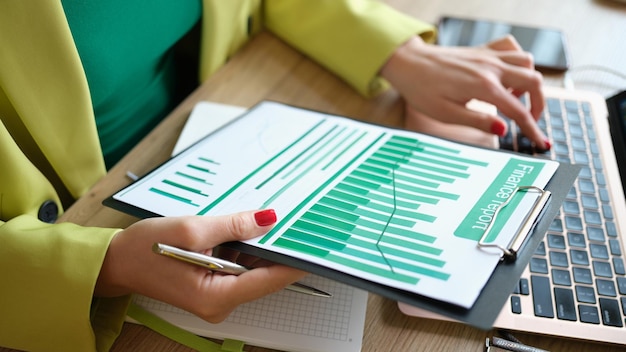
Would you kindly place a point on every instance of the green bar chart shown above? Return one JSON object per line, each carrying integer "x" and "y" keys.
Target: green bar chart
{"x": 367, "y": 221}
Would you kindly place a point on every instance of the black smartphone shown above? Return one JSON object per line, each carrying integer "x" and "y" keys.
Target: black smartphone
{"x": 548, "y": 45}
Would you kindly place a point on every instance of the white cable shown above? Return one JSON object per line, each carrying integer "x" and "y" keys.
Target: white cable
{"x": 569, "y": 82}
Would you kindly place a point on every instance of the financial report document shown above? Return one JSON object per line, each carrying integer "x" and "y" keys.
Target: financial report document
{"x": 394, "y": 207}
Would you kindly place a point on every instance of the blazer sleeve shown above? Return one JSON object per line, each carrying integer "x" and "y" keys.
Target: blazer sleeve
{"x": 351, "y": 38}
{"x": 48, "y": 275}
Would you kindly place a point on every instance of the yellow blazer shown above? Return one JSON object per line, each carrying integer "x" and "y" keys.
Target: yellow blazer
{"x": 50, "y": 154}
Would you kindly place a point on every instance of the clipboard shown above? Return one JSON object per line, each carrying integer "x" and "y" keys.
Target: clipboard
{"x": 487, "y": 306}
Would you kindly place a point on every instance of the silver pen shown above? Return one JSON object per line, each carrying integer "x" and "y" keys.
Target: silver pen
{"x": 224, "y": 266}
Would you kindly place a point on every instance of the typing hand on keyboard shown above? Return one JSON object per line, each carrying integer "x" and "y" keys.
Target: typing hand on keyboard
{"x": 515, "y": 140}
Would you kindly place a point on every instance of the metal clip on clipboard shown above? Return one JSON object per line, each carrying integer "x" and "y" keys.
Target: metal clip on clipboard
{"x": 509, "y": 253}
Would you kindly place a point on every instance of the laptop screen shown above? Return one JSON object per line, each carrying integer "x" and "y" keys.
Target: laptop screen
{"x": 617, "y": 120}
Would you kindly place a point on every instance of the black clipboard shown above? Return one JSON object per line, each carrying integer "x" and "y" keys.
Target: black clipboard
{"x": 486, "y": 308}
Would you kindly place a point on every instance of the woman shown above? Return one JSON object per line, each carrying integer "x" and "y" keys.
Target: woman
{"x": 80, "y": 83}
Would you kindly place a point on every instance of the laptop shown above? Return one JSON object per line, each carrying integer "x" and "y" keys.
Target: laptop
{"x": 575, "y": 283}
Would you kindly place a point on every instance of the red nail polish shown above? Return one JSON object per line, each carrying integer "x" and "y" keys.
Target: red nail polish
{"x": 498, "y": 128}
{"x": 548, "y": 144}
{"x": 265, "y": 217}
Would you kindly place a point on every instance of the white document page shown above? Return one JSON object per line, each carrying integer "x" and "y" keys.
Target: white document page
{"x": 397, "y": 208}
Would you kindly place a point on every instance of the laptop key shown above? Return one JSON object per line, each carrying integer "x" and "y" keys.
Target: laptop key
{"x": 561, "y": 277}
{"x": 559, "y": 259}
{"x": 598, "y": 251}
{"x": 516, "y": 305}
{"x": 573, "y": 223}
{"x": 602, "y": 269}
{"x": 571, "y": 207}
{"x": 565, "y": 307}
{"x": 541, "y": 249}
{"x": 579, "y": 257}
{"x": 595, "y": 151}
{"x": 561, "y": 148}
{"x": 618, "y": 267}
{"x": 538, "y": 265}
{"x": 559, "y": 135}
{"x": 621, "y": 286}
{"x": 572, "y": 193}
{"x": 556, "y": 241}
{"x": 523, "y": 287}
{"x": 581, "y": 158}
{"x": 600, "y": 179}
{"x": 595, "y": 234}
{"x": 610, "y": 312}
{"x": 571, "y": 105}
{"x": 615, "y": 248}
{"x": 582, "y": 275}
{"x": 607, "y": 211}
{"x": 593, "y": 217}
{"x": 576, "y": 240}
{"x": 588, "y": 314}
{"x": 597, "y": 163}
{"x": 542, "y": 297}
{"x": 554, "y": 106}
{"x": 579, "y": 144}
{"x": 611, "y": 230}
{"x": 585, "y": 294}
{"x": 606, "y": 288}
{"x": 586, "y": 186}
{"x": 604, "y": 195}
{"x": 589, "y": 201}
{"x": 556, "y": 225}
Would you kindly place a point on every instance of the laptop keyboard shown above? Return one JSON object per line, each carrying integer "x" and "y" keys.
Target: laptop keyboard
{"x": 577, "y": 273}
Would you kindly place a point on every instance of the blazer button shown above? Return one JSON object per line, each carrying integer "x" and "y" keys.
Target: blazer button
{"x": 249, "y": 25}
{"x": 48, "y": 211}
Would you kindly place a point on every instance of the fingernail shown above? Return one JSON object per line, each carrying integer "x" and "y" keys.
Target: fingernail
{"x": 498, "y": 128}
{"x": 548, "y": 144}
{"x": 265, "y": 217}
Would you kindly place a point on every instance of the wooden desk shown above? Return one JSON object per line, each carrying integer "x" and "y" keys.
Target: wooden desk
{"x": 268, "y": 69}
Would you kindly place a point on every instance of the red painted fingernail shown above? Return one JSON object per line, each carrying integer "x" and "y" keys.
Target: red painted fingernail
{"x": 498, "y": 128}
{"x": 265, "y": 217}
{"x": 548, "y": 144}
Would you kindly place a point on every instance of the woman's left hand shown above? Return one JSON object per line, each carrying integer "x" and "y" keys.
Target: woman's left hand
{"x": 439, "y": 81}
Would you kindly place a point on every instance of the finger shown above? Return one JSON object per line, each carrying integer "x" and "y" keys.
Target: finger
{"x": 517, "y": 58}
{"x": 508, "y": 42}
{"x": 457, "y": 113}
{"x": 523, "y": 80}
{"x": 236, "y": 227}
{"x": 227, "y": 292}
{"x": 511, "y": 107}
{"x": 264, "y": 280}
